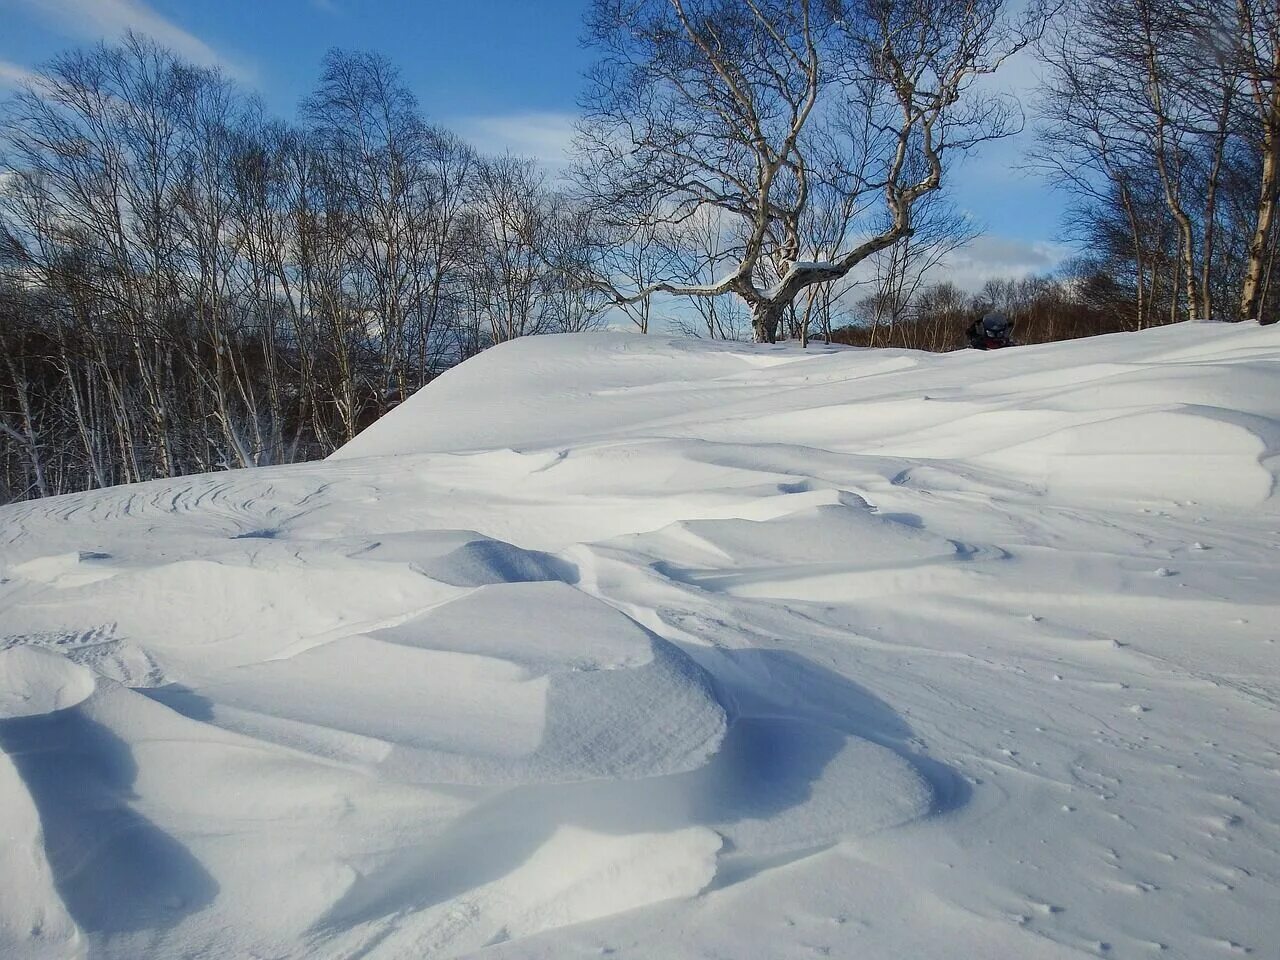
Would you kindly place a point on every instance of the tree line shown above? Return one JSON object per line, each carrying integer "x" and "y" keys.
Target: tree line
{"x": 187, "y": 284}
{"x": 1161, "y": 118}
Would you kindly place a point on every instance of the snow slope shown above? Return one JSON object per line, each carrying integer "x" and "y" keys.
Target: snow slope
{"x": 646, "y": 647}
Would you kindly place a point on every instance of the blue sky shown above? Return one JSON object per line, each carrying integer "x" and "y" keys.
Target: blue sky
{"x": 503, "y": 73}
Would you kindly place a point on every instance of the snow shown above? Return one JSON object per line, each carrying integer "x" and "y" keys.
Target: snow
{"x": 648, "y": 647}
{"x": 829, "y": 267}
{"x": 34, "y": 680}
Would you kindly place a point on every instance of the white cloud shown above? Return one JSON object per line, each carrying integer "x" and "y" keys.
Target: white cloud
{"x": 543, "y": 135}
{"x": 12, "y": 75}
{"x": 93, "y": 19}
{"x": 992, "y": 256}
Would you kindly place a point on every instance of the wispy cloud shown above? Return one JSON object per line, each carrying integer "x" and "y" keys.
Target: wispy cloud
{"x": 92, "y": 19}
{"x": 1020, "y": 75}
{"x": 543, "y": 135}
{"x": 992, "y": 256}
{"x": 12, "y": 75}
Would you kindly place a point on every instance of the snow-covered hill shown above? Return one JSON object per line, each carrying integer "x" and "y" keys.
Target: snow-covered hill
{"x": 645, "y": 647}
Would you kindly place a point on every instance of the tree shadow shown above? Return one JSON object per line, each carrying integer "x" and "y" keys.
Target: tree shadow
{"x": 115, "y": 870}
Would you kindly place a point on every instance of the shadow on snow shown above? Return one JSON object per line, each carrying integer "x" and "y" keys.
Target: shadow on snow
{"x": 115, "y": 870}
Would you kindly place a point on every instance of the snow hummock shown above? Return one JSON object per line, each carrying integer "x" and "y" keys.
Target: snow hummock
{"x": 638, "y": 646}
{"x": 35, "y": 680}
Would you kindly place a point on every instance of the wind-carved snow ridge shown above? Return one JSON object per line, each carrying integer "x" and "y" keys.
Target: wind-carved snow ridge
{"x": 673, "y": 649}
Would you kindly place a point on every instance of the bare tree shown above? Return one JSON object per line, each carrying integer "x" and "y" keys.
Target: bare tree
{"x": 1167, "y": 102}
{"x": 901, "y": 269}
{"x": 636, "y": 250}
{"x": 745, "y": 105}
{"x": 1256, "y": 35}
{"x": 696, "y": 252}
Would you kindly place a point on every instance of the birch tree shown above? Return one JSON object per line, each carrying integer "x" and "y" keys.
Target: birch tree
{"x": 745, "y": 105}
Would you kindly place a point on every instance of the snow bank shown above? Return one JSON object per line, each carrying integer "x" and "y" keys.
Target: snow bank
{"x": 34, "y": 680}
{"x": 631, "y": 645}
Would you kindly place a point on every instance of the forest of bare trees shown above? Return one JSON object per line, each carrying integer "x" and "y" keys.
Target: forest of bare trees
{"x": 188, "y": 284}
{"x": 1161, "y": 118}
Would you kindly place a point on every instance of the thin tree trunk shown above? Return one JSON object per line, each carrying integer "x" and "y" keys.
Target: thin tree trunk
{"x": 1251, "y": 297}
{"x": 28, "y": 437}
{"x": 1126, "y": 199}
{"x": 1211, "y": 197}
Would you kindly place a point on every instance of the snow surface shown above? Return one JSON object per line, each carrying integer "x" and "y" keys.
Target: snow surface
{"x": 644, "y": 647}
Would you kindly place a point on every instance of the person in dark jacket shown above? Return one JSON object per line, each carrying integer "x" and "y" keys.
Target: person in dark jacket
{"x": 991, "y": 331}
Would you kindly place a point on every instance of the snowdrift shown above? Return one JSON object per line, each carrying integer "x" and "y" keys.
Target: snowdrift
{"x": 654, "y": 647}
